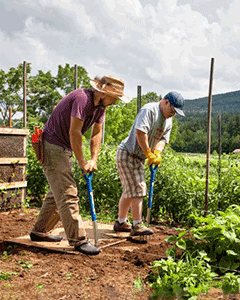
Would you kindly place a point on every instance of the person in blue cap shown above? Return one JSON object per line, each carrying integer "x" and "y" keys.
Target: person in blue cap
{"x": 148, "y": 136}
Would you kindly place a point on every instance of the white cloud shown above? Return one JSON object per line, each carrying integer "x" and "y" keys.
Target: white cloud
{"x": 161, "y": 47}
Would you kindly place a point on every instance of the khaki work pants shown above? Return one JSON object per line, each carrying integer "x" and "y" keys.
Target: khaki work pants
{"x": 61, "y": 202}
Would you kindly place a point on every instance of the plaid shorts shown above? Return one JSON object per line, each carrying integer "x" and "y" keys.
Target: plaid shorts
{"x": 131, "y": 172}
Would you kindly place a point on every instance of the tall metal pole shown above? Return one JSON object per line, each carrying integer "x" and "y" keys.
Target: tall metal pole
{"x": 24, "y": 95}
{"x": 138, "y": 98}
{"x": 209, "y": 134}
{"x": 76, "y": 78}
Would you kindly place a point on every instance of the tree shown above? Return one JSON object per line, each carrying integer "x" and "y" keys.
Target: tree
{"x": 11, "y": 92}
{"x": 66, "y": 78}
{"x": 42, "y": 95}
{"x": 45, "y": 90}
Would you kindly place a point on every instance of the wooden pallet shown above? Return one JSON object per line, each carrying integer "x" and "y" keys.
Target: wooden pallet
{"x": 106, "y": 238}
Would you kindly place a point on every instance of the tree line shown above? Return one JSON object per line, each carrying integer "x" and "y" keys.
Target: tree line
{"x": 44, "y": 91}
{"x": 192, "y": 133}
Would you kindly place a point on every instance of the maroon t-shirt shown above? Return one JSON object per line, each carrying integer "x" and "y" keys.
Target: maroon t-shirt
{"x": 78, "y": 103}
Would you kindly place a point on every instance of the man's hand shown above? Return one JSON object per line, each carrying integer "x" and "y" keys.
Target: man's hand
{"x": 150, "y": 157}
{"x": 89, "y": 166}
{"x": 158, "y": 159}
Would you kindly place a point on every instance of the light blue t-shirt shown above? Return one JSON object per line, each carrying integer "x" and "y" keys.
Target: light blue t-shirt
{"x": 150, "y": 121}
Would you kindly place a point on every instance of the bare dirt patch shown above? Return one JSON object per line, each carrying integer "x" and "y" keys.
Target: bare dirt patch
{"x": 41, "y": 274}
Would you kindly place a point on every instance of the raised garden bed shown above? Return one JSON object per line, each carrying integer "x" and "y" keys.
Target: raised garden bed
{"x": 12, "y": 167}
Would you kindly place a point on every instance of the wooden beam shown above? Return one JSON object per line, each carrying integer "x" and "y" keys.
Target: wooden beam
{"x": 13, "y": 131}
{"x": 12, "y": 185}
{"x": 12, "y": 160}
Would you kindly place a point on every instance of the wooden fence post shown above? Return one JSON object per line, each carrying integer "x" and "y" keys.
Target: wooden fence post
{"x": 209, "y": 135}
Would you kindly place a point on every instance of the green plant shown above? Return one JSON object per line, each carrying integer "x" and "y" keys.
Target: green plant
{"x": 182, "y": 279}
{"x": 40, "y": 286}
{"x": 25, "y": 265}
{"x": 6, "y": 254}
{"x": 6, "y": 275}
{"x": 230, "y": 283}
{"x": 138, "y": 284}
{"x": 37, "y": 185}
{"x": 216, "y": 235}
{"x": 106, "y": 183}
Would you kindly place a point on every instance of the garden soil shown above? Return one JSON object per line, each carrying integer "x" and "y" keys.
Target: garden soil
{"x": 45, "y": 274}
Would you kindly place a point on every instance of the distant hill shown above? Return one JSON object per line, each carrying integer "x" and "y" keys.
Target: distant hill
{"x": 228, "y": 102}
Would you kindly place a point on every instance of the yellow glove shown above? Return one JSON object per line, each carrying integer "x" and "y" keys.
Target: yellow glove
{"x": 150, "y": 157}
{"x": 158, "y": 159}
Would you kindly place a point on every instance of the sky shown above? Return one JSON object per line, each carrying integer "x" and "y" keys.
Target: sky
{"x": 161, "y": 45}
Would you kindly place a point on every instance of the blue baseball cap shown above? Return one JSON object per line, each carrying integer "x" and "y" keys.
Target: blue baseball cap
{"x": 177, "y": 101}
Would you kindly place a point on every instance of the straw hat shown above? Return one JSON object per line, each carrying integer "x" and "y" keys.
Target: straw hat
{"x": 110, "y": 85}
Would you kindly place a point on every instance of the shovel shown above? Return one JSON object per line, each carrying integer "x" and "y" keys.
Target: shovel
{"x": 150, "y": 197}
{"x": 92, "y": 206}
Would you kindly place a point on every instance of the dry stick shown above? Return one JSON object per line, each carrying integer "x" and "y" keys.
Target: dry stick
{"x": 209, "y": 134}
{"x": 113, "y": 244}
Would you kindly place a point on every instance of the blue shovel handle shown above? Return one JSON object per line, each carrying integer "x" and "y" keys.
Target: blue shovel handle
{"x": 153, "y": 172}
{"x": 92, "y": 206}
{"x": 90, "y": 194}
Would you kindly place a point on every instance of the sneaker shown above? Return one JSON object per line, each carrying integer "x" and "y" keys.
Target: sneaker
{"x": 140, "y": 229}
{"x": 87, "y": 248}
{"x": 122, "y": 227}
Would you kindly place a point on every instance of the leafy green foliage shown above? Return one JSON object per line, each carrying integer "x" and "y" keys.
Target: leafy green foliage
{"x": 66, "y": 78}
{"x": 37, "y": 184}
{"x": 187, "y": 278}
{"x": 105, "y": 182}
{"x": 180, "y": 186}
{"x": 182, "y": 279}
{"x": 42, "y": 95}
{"x": 43, "y": 91}
{"x": 26, "y": 265}
{"x": 6, "y": 275}
{"x": 228, "y": 102}
{"x": 217, "y": 235}
{"x": 192, "y": 134}
{"x": 230, "y": 283}
{"x": 11, "y": 92}
{"x": 138, "y": 284}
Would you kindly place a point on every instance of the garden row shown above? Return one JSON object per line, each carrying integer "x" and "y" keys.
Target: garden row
{"x": 179, "y": 189}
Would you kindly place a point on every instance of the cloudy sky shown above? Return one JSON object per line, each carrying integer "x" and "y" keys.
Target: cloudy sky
{"x": 161, "y": 45}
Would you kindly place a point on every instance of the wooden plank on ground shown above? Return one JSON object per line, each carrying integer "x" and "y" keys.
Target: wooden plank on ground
{"x": 106, "y": 237}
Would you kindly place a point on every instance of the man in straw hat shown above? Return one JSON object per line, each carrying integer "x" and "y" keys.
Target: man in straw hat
{"x": 147, "y": 138}
{"x": 62, "y": 134}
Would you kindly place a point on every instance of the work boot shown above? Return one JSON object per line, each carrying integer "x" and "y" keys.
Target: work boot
{"x": 87, "y": 248}
{"x": 140, "y": 229}
{"x": 48, "y": 238}
{"x": 122, "y": 227}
